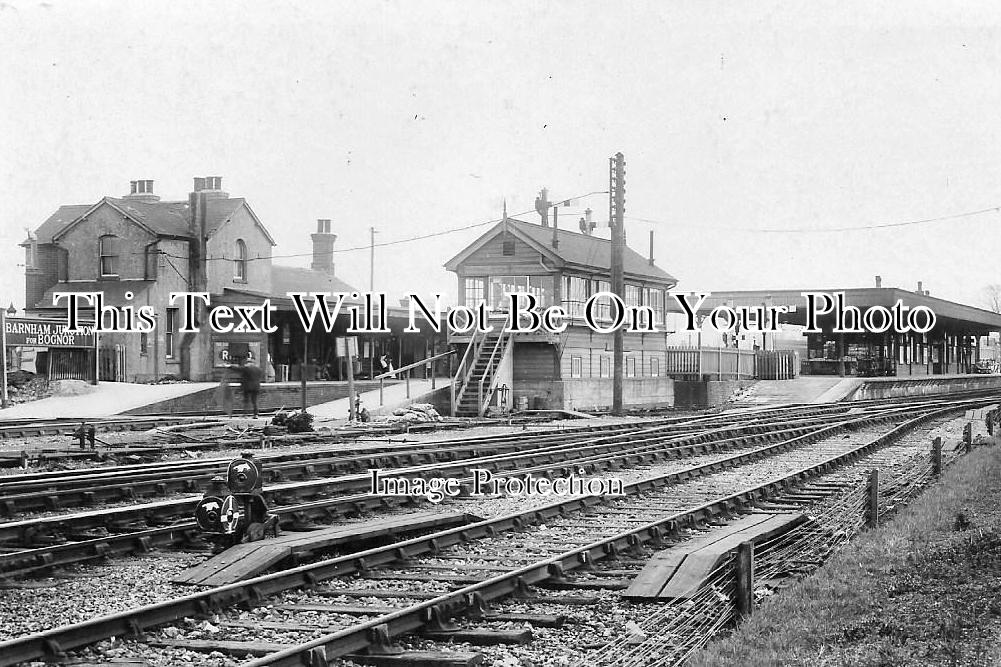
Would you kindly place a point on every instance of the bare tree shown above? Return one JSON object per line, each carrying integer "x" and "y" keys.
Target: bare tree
{"x": 992, "y": 297}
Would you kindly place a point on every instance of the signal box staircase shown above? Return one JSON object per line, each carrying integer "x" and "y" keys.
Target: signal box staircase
{"x": 476, "y": 379}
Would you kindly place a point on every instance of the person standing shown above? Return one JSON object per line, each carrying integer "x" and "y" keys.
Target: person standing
{"x": 250, "y": 384}
{"x": 386, "y": 364}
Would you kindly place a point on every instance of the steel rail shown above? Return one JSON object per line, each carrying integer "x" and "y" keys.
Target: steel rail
{"x": 47, "y": 557}
{"x": 28, "y": 531}
{"x": 316, "y": 652}
{"x": 53, "y": 643}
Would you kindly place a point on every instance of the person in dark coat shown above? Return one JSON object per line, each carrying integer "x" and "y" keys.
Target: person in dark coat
{"x": 250, "y": 383}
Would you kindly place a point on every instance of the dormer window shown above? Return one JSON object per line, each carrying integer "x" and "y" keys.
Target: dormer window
{"x": 240, "y": 261}
{"x": 108, "y": 250}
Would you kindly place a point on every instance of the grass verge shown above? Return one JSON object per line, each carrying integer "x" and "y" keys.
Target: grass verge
{"x": 924, "y": 589}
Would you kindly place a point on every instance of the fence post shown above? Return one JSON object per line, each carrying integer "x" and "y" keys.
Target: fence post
{"x": 408, "y": 384}
{"x": 744, "y": 573}
{"x": 936, "y": 456}
{"x": 872, "y": 520}
{"x": 382, "y": 382}
{"x": 968, "y": 436}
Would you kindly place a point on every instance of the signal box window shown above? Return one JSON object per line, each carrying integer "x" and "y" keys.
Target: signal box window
{"x": 576, "y": 366}
{"x": 474, "y": 291}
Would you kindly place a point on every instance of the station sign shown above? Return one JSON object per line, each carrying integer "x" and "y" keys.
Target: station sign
{"x": 23, "y": 332}
{"x": 346, "y": 345}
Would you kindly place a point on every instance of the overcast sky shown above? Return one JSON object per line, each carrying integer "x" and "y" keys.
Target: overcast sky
{"x": 421, "y": 117}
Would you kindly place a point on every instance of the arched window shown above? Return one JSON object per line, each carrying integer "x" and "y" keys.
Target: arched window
{"x": 108, "y": 250}
{"x": 241, "y": 260}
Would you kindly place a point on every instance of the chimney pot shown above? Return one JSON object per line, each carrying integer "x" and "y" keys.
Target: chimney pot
{"x": 211, "y": 186}
{"x": 879, "y": 281}
{"x": 141, "y": 190}
{"x": 920, "y": 288}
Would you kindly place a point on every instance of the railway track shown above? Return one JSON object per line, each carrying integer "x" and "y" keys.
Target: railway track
{"x": 34, "y": 544}
{"x": 579, "y": 533}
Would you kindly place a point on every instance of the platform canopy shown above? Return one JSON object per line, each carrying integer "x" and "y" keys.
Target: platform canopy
{"x": 952, "y": 317}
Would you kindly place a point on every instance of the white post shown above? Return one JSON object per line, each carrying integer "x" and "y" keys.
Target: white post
{"x": 4, "y": 402}
{"x": 97, "y": 355}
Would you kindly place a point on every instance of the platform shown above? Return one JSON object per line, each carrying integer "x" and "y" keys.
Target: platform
{"x": 244, "y": 561}
{"x": 803, "y": 389}
{"x": 394, "y": 395}
{"x": 102, "y": 400}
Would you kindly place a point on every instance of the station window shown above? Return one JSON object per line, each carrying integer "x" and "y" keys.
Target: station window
{"x": 240, "y": 268}
{"x": 603, "y": 307}
{"x": 654, "y": 367}
{"x": 574, "y": 296}
{"x": 633, "y": 296}
{"x": 108, "y": 249}
{"x": 576, "y": 366}
{"x": 143, "y": 344}
{"x": 501, "y": 286}
{"x": 631, "y": 367}
{"x": 169, "y": 332}
{"x": 605, "y": 369}
{"x": 473, "y": 291}
{"x": 655, "y": 299}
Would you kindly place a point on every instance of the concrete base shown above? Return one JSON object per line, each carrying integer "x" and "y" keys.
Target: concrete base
{"x": 692, "y": 394}
{"x": 586, "y": 394}
{"x": 272, "y": 397}
{"x": 921, "y": 386}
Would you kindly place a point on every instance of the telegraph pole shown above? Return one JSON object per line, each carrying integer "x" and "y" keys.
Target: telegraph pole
{"x": 616, "y": 220}
{"x": 371, "y": 260}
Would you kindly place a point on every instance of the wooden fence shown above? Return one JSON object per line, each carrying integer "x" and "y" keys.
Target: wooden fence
{"x": 721, "y": 363}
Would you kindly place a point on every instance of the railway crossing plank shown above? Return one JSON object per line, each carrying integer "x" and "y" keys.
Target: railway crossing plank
{"x": 244, "y": 561}
{"x": 419, "y": 659}
{"x": 232, "y": 648}
{"x": 482, "y": 636}
{"x": 680, "y": 572}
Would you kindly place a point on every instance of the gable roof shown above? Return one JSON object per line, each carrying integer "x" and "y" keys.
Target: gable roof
{"x": 63, "y": 216}
{"x": 220, "y": 210}
{"x": 576, "y": 250}
{"x": 163, "y": 218}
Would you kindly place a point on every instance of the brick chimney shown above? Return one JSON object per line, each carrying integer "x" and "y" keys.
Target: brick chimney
{"x": 920, "y": 288}
{"x": 141, "y": 191}
{"x": 323, "y": 247}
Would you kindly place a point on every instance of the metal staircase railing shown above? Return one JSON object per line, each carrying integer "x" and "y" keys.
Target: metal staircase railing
{"x": 500, "y": 348}
{"x": 465, "y": 369}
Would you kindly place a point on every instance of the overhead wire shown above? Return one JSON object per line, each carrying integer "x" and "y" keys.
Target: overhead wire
{"x": 397, "y": 241}
{"x": 822, "y": 230}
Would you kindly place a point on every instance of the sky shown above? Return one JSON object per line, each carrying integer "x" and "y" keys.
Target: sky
{"x": 754, "y": 133}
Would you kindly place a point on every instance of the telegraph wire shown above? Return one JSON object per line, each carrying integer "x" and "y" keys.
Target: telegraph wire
{"x": 397, "y": 241}
{"x": 822, "y": 230}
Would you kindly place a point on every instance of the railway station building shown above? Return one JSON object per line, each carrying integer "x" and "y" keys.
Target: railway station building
{"x": 572, "y": 369}
{"x": 137, "y": 249}
{"x": 952, "y": 346}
